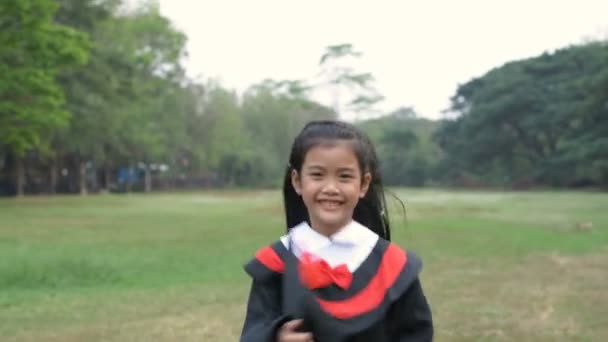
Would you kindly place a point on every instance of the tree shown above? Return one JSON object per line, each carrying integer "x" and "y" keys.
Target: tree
{"x": 516, "y": 123}
{"x": 129, "y": 87}
{"x": 155, "y": 49}
{"x": 94, "y": 91}
{"x": 273, "y": 118}
{"x": 404, "y": 146}
{"x": 586, "y": 146}
{"x": 33, "y": 49}
{"x": 337, "y": 77}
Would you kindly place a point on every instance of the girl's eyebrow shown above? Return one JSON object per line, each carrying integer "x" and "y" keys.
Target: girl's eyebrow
{"x": 341, "y": 169}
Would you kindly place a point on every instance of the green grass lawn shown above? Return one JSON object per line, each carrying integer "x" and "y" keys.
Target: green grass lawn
{"x": 168, "y": 267}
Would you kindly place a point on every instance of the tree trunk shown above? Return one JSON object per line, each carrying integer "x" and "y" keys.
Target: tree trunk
{"x": 82, "y": 177}
{"x": 53, "y": 176}
{"x": 148, "y": 178}
{"x": 19, "y": 175}
{"x": 106, "y": 177}
{"x": 336, "y": 100}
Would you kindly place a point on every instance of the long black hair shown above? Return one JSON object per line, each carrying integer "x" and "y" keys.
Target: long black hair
{"x": 371, "y": 210}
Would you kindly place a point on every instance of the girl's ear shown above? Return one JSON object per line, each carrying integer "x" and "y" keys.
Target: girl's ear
{"x": 365, "y": 182}
{"x": 296, "y": 182}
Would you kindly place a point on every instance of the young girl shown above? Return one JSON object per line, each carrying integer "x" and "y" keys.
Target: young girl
{"x": 335, "y": 276}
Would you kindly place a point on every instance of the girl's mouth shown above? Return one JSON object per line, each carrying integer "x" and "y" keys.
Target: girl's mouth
{"x": 330, "y": 204}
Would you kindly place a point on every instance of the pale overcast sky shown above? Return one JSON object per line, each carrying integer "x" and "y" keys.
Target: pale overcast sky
{"x": 419, "y": 51}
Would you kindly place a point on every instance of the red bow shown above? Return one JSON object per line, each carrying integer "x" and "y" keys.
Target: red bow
{"x": 317, "y": 273}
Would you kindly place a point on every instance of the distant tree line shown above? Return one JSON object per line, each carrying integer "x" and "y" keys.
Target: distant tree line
{"x": 94, "y": 97}
{"x": 542, "y": 120}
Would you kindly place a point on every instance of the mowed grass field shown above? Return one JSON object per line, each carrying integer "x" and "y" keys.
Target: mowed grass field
{"x": 168, "y": 267}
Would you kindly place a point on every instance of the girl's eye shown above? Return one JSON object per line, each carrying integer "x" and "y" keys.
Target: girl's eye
{"x": 316, "y": 174}
{"x": 346, "y": 176}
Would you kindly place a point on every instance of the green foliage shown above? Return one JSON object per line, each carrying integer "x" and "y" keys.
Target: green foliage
{"x": 338, "y": 51}
{"x": 272, "y": 119}
{"x": 129, "y": 87}
{"x": 91, "y": 87}
{"x": 536, "y": 120}
{"x": 33, "y": 48}
{"x": 95, "y": 90}
{"x": 360, "y": 89}
{"x": 404, "y": 147}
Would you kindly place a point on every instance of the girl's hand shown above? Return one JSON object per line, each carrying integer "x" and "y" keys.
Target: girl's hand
{"x": 288, "y": 333}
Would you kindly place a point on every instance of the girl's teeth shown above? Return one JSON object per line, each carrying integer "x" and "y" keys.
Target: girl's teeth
{"x": 330, "y": 204}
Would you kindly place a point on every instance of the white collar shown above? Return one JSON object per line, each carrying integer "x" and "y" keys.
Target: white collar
{"x": 352, "y": 234}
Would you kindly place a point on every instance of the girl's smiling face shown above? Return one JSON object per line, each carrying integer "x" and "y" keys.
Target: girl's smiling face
{"x": 331, "y": 184}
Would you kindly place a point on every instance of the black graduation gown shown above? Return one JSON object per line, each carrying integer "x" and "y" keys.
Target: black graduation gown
{"x": 385, "y": 301}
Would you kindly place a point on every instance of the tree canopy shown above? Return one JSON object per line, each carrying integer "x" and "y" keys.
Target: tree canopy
{"x": 540, "y": 120}
{"x": 94, "y": 97}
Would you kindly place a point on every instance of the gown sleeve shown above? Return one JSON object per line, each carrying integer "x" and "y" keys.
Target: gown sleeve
{"x": 263, "y": 316}
{"x": 411, "y": 317}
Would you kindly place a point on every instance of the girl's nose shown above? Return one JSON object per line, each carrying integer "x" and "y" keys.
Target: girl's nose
{"x": 330, "y": 187}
